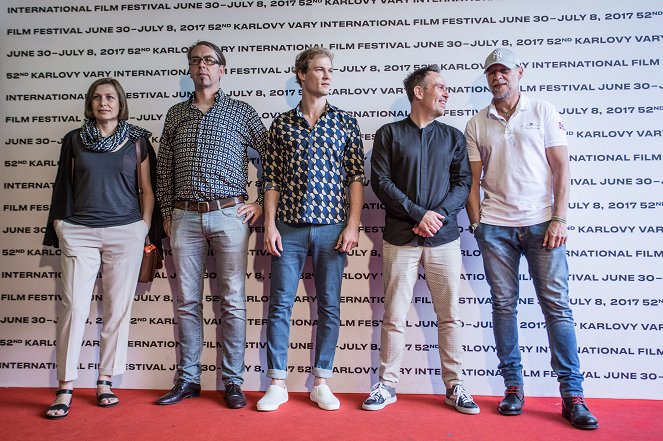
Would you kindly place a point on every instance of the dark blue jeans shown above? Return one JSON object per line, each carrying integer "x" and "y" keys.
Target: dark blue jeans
{"x": 501, "y": 248}
{"x": 328, "y": 266}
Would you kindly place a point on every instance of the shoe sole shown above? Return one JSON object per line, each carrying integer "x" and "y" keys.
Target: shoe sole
{"x": 579, "y": 426}
{"x": 194, "y": 395}
{"x": 509, "y": 412}
{"x": 269, "y": 407}
{"x": 461, "y": 409}
{"x": 379, "y": 406}
{"x": 108, "y": 405}
{"x": 324, "y": 406}
{"x": 58, "y": 417}
{"x": 236, "y": 406}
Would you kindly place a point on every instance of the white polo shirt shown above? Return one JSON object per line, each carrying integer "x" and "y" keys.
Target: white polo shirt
{"x": 517, "y": 179}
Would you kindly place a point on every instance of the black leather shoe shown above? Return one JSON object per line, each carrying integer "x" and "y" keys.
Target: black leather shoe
{"x": 575, "y": 410}
{"x": 181, "y": 390}
{"x": 512, "y": 403}
{"x": 235, "y": 399}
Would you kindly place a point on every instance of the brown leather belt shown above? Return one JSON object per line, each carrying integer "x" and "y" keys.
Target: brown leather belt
{"x": 207, "y": 206}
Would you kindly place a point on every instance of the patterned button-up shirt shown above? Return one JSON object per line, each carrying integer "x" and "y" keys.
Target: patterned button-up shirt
{"x": 311, "y": 167}
{"x": 203, "y": 157}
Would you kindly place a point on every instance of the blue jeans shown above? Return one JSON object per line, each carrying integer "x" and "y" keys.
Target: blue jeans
{"x": 501, "y": 248}
{"x": 192, "y": 234}
{"x": 328, "y": 266}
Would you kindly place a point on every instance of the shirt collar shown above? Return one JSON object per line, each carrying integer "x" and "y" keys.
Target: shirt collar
{"x": 217, "y": 98}
{"x": 428, "y": 127}
{"x": 523, "y": 104}
{"x": 328, "y": 108}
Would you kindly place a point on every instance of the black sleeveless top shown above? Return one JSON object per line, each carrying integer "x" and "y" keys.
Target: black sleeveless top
{"x": 105, "y": 186}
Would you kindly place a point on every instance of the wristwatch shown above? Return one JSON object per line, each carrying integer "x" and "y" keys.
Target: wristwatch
{"x": 473, "y": 227}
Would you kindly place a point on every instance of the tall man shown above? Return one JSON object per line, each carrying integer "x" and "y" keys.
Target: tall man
{"x": 421, "y": 174}
{"x": 202, "y": 172}
{"x": 520, "y": 146}
{"x": 314, "y": 168}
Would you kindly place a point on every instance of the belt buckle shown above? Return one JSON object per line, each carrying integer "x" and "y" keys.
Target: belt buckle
{"x": 204, "y": 204}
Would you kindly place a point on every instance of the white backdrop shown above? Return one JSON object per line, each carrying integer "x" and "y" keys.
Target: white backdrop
{"x": 599, "y": 62}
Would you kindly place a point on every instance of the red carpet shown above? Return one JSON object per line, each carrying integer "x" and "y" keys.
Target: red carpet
{"x": 413, "y": 417}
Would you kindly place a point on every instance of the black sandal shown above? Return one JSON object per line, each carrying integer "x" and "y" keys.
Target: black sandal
{"x": 106, "y": 396}
{"x": 60, "y": 406}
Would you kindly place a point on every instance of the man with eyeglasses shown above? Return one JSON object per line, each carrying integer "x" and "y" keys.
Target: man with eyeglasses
{"x": 202, "y": 173}
{"x": 518, "y": 154}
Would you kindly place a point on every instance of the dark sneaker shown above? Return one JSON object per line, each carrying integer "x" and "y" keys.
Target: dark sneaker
{"x": 512, "y": 403}
{"x": 575, "y": 410}
{"x": 379, "y": 397}
{"x": 458, "y": 398}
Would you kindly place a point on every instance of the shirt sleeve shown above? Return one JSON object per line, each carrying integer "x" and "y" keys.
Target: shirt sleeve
{"x": 273, "y": 163}
{"x": 471, "y": 141}
{"x": 62, "y": 199}
{"x": 396, "y": 202}
{"x": 554, "y": 131}
{"x": 145, "y": 145}
{"x": 354, "y": 154}
{"x": 460, "y": 180}
{"x": 165, "y": 191}
{"x": 259, "y": 143}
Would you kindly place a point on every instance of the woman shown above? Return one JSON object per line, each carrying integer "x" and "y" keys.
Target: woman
{"x": 96, "y": 219}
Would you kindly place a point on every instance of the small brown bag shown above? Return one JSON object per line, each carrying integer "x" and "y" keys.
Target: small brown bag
{"x": 152, "y": 260}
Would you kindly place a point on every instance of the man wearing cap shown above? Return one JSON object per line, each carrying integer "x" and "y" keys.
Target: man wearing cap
{"x": 202, "y": 172}
{"x": 518, "y": 154}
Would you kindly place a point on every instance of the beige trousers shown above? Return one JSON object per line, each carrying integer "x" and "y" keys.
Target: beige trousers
{"x": 442, "y": 266}
{"x": 119, "y": 251}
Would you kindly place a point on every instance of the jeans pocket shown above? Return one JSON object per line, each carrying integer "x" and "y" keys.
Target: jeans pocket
{"x": 177, "y": 215}
{"x": 145, "y": 229}
{"x": 57, "y": 226}
{"x": 478, "y": 231}
{"x": 231, "y": 212}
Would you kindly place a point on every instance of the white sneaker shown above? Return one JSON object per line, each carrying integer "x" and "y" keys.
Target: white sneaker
{"x": 273, "y": 398}
{"x": 324, "y": 397}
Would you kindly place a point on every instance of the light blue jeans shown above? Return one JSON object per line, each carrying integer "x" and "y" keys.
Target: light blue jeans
{"x": 501, "y": 248}
{"x": 192, "y": 234}
{"x": 328, "y": 266}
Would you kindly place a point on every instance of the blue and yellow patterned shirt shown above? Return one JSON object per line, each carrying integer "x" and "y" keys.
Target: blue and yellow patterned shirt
{"x": 311, "y": 167}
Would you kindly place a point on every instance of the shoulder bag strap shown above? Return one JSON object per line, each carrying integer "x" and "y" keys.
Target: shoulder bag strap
{"x": 139, "y": 177}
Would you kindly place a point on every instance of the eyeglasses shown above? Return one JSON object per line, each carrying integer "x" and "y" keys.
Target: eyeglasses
{"x": 209, "y": 61}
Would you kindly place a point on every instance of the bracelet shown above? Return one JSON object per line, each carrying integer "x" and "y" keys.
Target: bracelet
{"x": 561, "y": 220}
